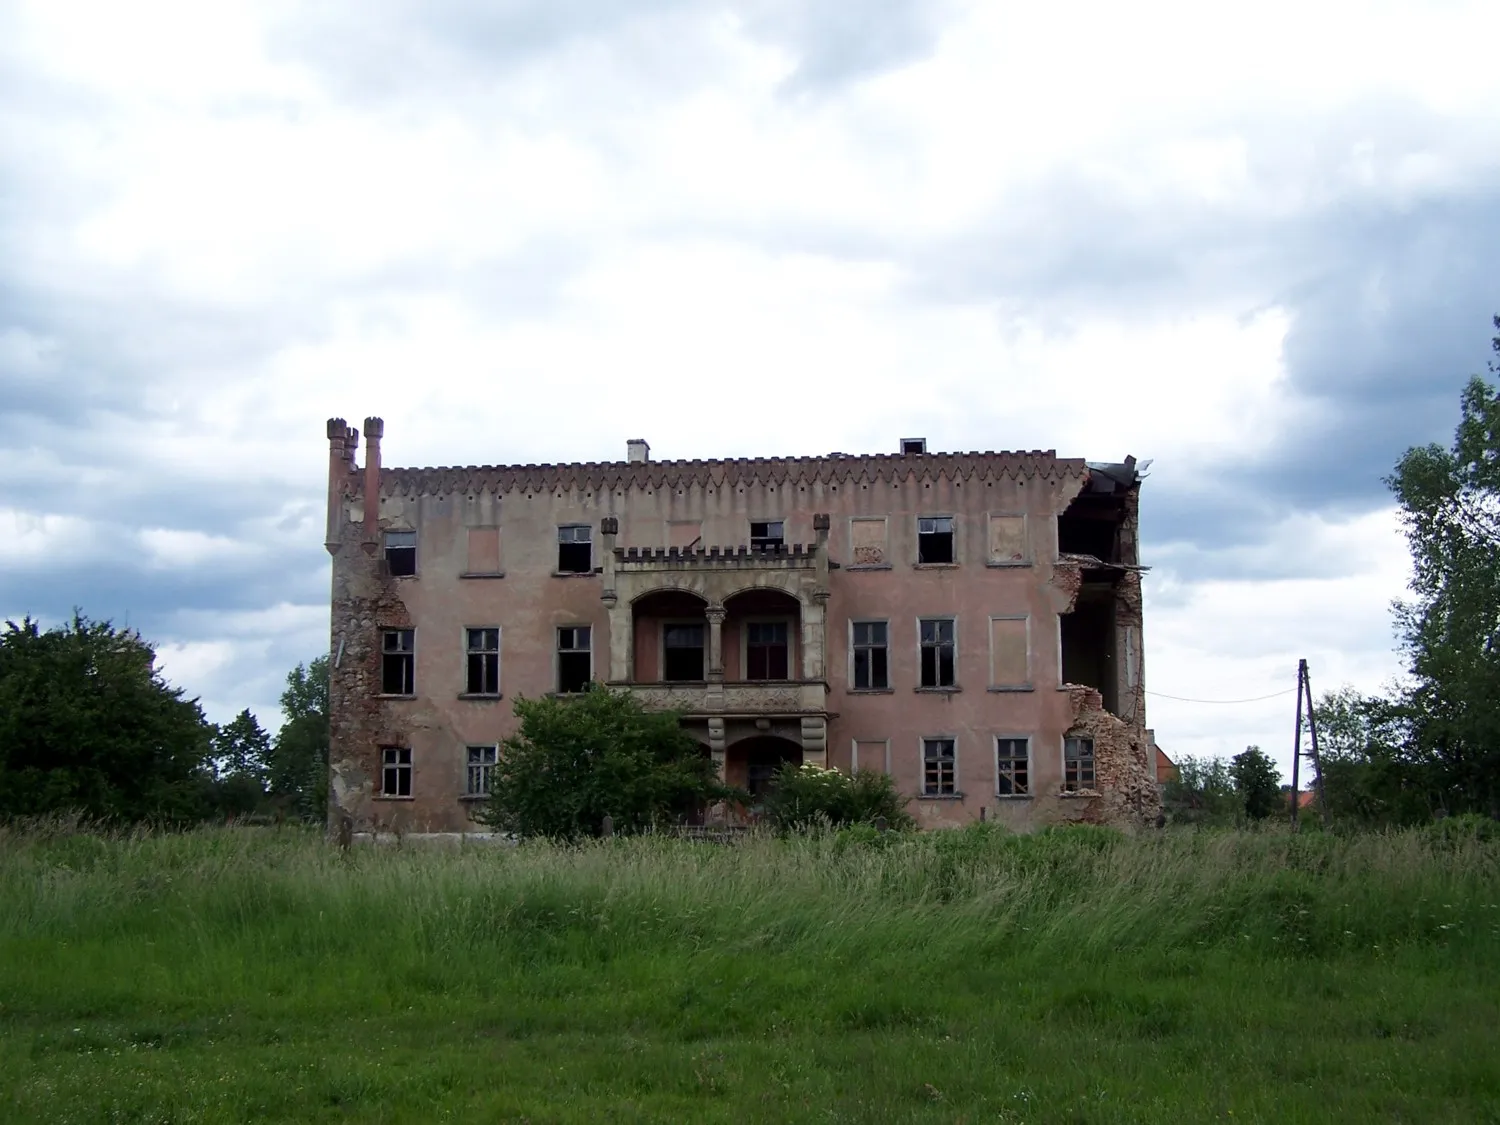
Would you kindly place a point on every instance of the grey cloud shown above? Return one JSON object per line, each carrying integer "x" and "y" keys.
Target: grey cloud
{"x": 838, "y": 43}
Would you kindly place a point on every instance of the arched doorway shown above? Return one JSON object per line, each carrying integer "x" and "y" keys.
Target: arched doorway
{"x": 752, "y": 763}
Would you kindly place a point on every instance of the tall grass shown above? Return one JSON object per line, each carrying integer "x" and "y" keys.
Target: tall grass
{"x": 230, "y": 937}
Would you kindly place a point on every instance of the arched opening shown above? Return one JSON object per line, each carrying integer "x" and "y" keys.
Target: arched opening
{"x": 670, "y": 634}
{"x": 761, "y": 633}
{"x": 752, "y": 763}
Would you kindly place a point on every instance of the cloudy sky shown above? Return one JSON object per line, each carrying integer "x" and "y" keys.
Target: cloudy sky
{"x": 1255, "y": 242}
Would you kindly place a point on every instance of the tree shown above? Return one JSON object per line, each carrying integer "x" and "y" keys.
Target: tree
{"x": 575, "y": 761}
{"x": 88, "y": 725}
{"x": 1202, "y": 793}
{"x": 297, "y": 767}
{"x": 1257, "y": 781}
{"x": 1370, "y": 777}
{"x": 1450, "y": 631}
{"x": 242, "y": 748}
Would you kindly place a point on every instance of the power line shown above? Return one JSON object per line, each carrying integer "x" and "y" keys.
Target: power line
{"x": 1254, "y": 699}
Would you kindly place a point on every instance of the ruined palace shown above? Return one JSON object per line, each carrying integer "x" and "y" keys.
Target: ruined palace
{"x": 968, "y": 622}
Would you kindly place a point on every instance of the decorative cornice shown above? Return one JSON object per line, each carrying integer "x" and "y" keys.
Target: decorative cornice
{"x": 619, "y": 475}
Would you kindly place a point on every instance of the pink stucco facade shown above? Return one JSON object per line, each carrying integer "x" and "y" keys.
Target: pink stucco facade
{"x": 1028, "y": 706}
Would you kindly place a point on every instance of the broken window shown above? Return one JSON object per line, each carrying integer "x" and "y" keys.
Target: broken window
{"x": 575, "y": 549}
{"x": 575, "y": 665}
{"x": 398, "y": 661}
{"x": 1078, "y": 764}
{"x": 913, "y": 445}
{"x": 935, "y": 540}
{"x": 766, "y": 650}
{"x": 395, "y": 773}
{"x": 481, "y": 765}
{"x": 769, "y": 535}
{"x": 682, "y": 652}
{"x": 939, "y": 767}
{"x": 484, "y": 662}
{"x": 938, "y": 651}
{"x": 1087, "y": 636}
{"x": 871, "y": 656}
{"x": 401, "y": 553}
{"x": 1012, "y": 759}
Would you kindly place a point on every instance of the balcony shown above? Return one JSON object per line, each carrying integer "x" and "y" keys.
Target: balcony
{"x": 734, "y": 698}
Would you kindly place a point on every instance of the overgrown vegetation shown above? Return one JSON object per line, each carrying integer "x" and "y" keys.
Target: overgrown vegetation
{"x": 1070, "y": 976}
{"x": 807, "y": 796}
{"x": 575, "y": 761}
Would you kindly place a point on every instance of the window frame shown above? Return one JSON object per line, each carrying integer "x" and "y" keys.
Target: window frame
{"x": 558, "y": 652}
{"x": 397, "y": 768}
{"x": 780, "y": 540}
{"x": 791, "y": 647}
{"x": 885, "y": 552}
{"x": 588, "y": 539}
{"x": 470, "y": 652}
{"x": 1030, "y": 790}
{"x": 955, "y": 792}
{"x": 854, "y": 646}
{"x": 1023, "y": 685}
{"x": 386, "y": 547}
{"x": 486, "y": 769}
{"x": 1077, "y": 786}
{"x": 661, "y": 647}
{"x": 953, "y": 523}
{"x": 885, "y": 762}
{"x": 409, "y": 653}
{"x": 1027, "y": 552}
{"x": 951, "y": 618}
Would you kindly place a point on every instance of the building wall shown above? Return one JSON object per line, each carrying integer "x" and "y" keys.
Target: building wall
{"x": 455, "y": 513}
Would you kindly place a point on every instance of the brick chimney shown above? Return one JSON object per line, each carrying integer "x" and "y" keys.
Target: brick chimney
{"x": 637, "y": 450}
{"x": 374, "y": 431}
{"x": 338, "y": 476}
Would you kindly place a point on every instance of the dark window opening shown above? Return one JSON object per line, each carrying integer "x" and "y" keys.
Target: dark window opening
{"x": 484, "y": 662}
{"x": 1088, "y": 641}
{"x": 935, "y": 540}
{"x": 768, "y": 536}
{"x": 939, "y": 767}
{"x": 575, "y": 549}
{"x": 398, "y": 662}
{"x": 870, "y": 656}
{"x": 401, "y": 553}
{"x": 574, "y": 659}
{"x": 763, "y": 760}
{"x": 1011, "y": 767}
{"x": 481, "y": 765}
{"x": 937, "y": 652}
{"x": 913, "y": 445}
{"x": 1078, "y": 764}
{"x": 1090, "y": 529}
{"x": 766, "y": 650}
{"x": 395, "y": 773}
{"x": 682, "y": 652}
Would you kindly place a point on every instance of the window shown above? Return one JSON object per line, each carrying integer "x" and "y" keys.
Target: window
{"x": 870, "y": 656}
{"x": 939, "y": 767}
{"x": 682, "y": 652}
{"x": 1010, "y": 660}
{"x": 484, "y": 662}
{"x": 574, "y": 659}
{"x": 937, "y": 652}
{"x": 395, "y": 773}
{"x": 483, "y": 556}
{"x": 1078, "y": 764}
{"x": 870, "y": 754}
{"x": 401, "y": 553}
{"x": 575, "y": 549}
{"x": 1012, "y": 776}
{"x": 481, "y": 764}
{"x": 913, "y": 445}
{"x": 766, "y": 650}
{"x": 398, "y": 661}
{"x": 935, "y": 540}
{"x": 768, "y": 536}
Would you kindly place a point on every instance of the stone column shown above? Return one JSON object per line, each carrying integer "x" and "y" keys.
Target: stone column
{"x": 715, "y": 615}
{"x": 621, "y": 617}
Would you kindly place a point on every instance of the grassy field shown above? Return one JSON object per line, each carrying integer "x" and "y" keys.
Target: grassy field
{"x": 957, "y": 977}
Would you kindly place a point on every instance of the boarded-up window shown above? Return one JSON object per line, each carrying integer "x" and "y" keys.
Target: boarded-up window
{"x": 684, "y": 533}
{"x": 872, "y": 754}
{"x": 1007, "y": 539}
{"x": 484, "y": 551}
{"x": 867, "y": 540}
{"x": 1009, "y": 666}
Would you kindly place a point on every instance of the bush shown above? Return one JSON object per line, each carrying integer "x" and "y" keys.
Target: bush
{"x": 808, "y": 796}
{"x": 1465, "y": 828}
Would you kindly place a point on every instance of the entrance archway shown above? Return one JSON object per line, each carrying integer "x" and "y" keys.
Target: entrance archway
{"x": 751, "y": 763}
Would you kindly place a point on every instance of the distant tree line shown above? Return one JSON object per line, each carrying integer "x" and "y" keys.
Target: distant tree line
{"x": 89, "y": 727}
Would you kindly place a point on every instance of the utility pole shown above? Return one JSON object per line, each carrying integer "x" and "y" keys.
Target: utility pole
{"x": 1304, "y": 687}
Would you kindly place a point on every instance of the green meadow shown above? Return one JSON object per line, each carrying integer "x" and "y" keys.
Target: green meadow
{"x": 1072, "y": 976}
